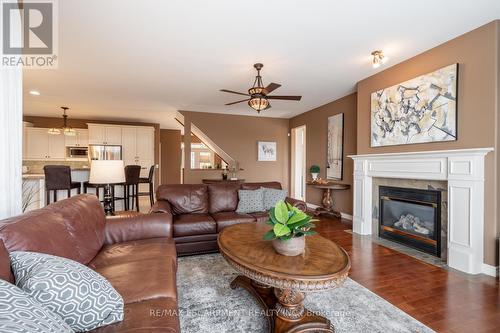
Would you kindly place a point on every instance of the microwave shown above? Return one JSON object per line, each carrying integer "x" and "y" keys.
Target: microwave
{"x": 77, "y": 152}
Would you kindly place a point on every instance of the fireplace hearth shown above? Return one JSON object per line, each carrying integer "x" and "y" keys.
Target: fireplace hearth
{"x": 411, "y": 217}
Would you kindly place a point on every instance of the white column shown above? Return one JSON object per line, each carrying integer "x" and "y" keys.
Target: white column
{"x": 11, "y": 119}
{"x": 362, "y": 203}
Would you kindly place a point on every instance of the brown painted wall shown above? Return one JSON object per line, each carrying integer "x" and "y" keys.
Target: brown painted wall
{"x": 476, "y": 53}
{"x": 49, "y": 122}
{"x": 238, "y": 136}
{"x": 170, "y": 166}
{"x": 316, "y": 122}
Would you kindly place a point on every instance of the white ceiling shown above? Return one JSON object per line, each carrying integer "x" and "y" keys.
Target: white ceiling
{"x": 144, "y": 60}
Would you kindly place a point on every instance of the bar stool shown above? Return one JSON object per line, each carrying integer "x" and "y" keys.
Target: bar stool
{"x": 148, "y": 180}
{"x": 130, "y": 187}
{"x": 58, "y": 177}
{"x": 132, "y": 175}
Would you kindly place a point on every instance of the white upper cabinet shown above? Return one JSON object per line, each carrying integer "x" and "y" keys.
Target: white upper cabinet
{"x": 41, "y": 145}
{"x": 81, "y": 139}
{"x": 138, "y": 147}
{"x": 129, "y": 147}
{"x": 57, "y": 147}
{"x": 145, "y": 144}
{"x": 37, "y": 143}
{"x": 105, "y": 134}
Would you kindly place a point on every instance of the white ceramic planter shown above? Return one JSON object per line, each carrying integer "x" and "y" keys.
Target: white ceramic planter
{"x": 291, "y": 247}
{"x": 314, "y": 175}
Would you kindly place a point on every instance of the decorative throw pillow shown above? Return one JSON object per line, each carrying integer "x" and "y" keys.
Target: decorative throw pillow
{"x": 80, "y": 296}
{"x": 21, "y": 314}
{"x": 250, "y": 201}
{"x": 272, "y": 196}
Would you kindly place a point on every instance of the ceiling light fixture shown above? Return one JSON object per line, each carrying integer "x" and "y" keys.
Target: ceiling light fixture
{"x": 34, "y": 92}
{"x": 258, "y": 102}
{"x": 67, "y": 130}
{"x": 378, "y": 58}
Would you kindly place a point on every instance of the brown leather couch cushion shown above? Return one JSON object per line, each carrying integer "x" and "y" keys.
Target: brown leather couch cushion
{"x": 71, "y": 228}
{"x": 137, "y": 250}
{"x": 185, "y": 198}
{"x": 225, "y": 219}
{"x": 144, "y": 226}
{"x": 5, "y": 271}
{"x": 144, "y": 279}
{"x": 195, "y": 238}
{"x": 194, "y": 224}
{"x": 261, "y": 216}
{"x": 159, "y": 315}
{"x": 223, "y": 197}
{"x": 255, "y": 186}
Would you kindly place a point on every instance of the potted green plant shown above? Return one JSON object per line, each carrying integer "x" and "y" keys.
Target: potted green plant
{"x": 290, "y": 225}
{"x": 314, "y": 170}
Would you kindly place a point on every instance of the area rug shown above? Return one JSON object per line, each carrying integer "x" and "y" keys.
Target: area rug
{"x": 207, "y": 304}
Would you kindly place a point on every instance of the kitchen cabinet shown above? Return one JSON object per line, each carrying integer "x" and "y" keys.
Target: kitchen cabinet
{"x": 40, "y": 145}
{"x": 105, "y": 134}
{"x": 81, "y": 139}
{"x": 138, "y": 147}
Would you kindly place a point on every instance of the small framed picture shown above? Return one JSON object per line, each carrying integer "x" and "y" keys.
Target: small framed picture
{"x": 266, "y": 151}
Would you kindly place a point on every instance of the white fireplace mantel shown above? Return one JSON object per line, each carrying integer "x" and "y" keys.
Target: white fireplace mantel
{"x": 463, "y": 169}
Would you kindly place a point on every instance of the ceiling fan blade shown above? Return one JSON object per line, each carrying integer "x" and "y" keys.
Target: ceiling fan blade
{"x": 234, "y": 92}
{"x": 271, "y": 87}
{"x": 243, "y": 100}
{"x": 290, "y": 98}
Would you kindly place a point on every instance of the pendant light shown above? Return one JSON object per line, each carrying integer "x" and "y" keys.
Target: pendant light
{"x": 66, "y": 130}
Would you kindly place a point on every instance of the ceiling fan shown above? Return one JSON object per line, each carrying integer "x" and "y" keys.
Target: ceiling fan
{"x": 258, "y": 95}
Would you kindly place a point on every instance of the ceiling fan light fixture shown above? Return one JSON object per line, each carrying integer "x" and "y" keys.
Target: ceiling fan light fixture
{"x": 258, "y": 103}
{"x": 255, "y": 90}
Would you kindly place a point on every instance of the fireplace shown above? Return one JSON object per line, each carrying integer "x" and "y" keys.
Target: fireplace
{"x": 411, "y": 217}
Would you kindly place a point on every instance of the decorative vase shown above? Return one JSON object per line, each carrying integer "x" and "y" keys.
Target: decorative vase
{"x": 291, "y": 247}
{"x": 314, "y": 175}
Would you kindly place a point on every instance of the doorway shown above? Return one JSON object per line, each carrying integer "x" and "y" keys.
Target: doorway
{"x": 298, "y": 183}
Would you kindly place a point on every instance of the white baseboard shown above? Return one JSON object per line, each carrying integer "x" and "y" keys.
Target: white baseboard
{"x": 490, "y": 270}
{"x": 343, "y": 215}
{"x": 311, "y": 206}
{"x": 346, "y": 216}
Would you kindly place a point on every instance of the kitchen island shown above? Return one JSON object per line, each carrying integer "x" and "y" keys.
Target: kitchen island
{"x": 34, "y": 188}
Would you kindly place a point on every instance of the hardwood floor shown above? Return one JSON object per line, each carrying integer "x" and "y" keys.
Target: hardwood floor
{"x": 446, "y": 301}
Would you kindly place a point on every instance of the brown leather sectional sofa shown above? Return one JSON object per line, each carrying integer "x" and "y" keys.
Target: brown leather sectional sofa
{"x": 200, "y": 212}
{"x": 136, "y": 254}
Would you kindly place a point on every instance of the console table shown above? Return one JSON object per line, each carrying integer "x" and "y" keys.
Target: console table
{"x": 328, "y": 202}
{"x": 278, "y": 282}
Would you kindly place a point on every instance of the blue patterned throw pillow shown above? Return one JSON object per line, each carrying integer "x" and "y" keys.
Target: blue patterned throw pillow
{"x": 272, "y": 196}
{"x": 80, "y": 296}
{"x": 21, "y": 314}
{"x": 250, "y": 201}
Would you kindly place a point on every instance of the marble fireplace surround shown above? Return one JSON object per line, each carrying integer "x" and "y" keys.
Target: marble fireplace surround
{"x": 463, "y": 169}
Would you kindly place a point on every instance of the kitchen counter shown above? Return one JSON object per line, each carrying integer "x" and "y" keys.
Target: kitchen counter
{"x": 41, "y": 175}
{"x": 33, "y": 176}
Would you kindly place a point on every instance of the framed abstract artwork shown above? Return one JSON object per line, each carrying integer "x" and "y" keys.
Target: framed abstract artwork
{"x": 423, "y": 109}
{"x": 266, "y": 151}
{"x": 335, "y": 147}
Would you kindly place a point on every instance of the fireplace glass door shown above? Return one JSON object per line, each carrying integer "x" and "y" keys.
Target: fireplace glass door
{"x": 411, "y": 217}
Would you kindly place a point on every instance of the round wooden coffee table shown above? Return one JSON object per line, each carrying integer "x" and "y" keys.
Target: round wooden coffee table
{"x": 279, "y": 282}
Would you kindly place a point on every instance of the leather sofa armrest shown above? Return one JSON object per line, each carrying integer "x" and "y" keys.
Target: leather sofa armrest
{"x": 297, "y": 203}
{"x": 161, "y": 206}
{"x": 124, "y": 229}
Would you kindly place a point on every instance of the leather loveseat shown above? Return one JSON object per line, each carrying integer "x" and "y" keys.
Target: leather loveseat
{"x": 136, "y": 254}
{"x": 199, "y": 212}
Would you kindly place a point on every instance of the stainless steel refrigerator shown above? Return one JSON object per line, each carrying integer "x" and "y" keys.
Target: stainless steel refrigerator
{"x": 101, "y": 152}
